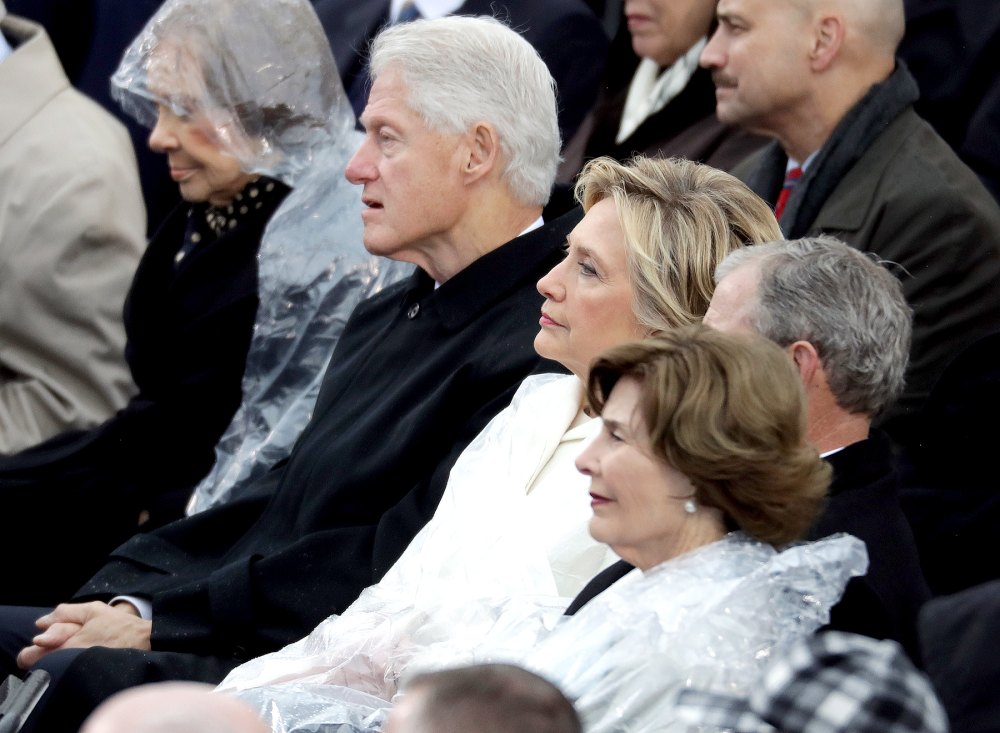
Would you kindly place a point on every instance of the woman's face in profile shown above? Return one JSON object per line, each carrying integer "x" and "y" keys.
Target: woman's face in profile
{"x": 199, "y": 162}
{"x": 637, "y": 498}
{"x": 588, "y": 296}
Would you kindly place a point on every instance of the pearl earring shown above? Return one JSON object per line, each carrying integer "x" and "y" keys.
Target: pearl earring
{"x": 690, "y": 507}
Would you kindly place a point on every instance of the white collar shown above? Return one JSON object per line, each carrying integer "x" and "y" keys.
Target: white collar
{"x": 533, "y": 226}
{"x": 792, "y": 163}
{"x": 651, "y": 90}
{"x": 429, "y": 9}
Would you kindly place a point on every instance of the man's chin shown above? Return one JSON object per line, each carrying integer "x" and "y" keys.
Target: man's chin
{"x": 726, "y": 114}
{"x": 379, "y": 245}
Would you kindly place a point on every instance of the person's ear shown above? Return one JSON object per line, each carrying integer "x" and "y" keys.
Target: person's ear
{"x": 483, "y": 152}
{"x": 806, "y": 360}
{"x": 827, "y": 39}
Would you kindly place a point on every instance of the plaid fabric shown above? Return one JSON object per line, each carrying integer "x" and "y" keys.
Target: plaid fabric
{"x": 829, "y": 683}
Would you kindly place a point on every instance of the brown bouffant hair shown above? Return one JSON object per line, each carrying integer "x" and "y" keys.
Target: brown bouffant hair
{"x": 727, "y": 410}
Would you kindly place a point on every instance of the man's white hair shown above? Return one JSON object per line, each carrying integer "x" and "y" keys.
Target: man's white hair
{"x": 463, "y": 70}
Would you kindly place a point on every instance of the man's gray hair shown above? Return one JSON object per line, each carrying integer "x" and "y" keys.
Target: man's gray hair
{"x": 842, "y": 301}
{"x": 462, "y": 70}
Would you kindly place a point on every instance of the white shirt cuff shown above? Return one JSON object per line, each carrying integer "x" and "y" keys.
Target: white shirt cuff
{"x": 142, "y": 605}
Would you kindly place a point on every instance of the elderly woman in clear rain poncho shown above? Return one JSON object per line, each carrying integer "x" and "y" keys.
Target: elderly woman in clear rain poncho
{"x": 251, "y": 278}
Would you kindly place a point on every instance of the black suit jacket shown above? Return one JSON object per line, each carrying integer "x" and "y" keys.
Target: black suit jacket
{"x": 864, "y": 501}
{"x": 189, "y": 329}
{"x": 566, "y": 33}
{"x": 950, "y": 487}
{"x": 959, "y": 635}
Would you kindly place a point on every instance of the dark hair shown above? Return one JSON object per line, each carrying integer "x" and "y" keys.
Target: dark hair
{"x": 726, "y": 410}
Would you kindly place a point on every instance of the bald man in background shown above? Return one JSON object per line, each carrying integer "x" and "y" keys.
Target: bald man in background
{"x": 821, "y": 78}
{"x": 173, "y": 707}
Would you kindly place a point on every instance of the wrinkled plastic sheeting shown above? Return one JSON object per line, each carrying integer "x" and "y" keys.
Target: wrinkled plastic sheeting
{"x": 709, "y": 619}
{"x": 313, "y": 270}
{"x": 259, "y": 71}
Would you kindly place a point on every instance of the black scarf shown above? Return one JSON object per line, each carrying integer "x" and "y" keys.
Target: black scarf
{"x": 850, "y": 140}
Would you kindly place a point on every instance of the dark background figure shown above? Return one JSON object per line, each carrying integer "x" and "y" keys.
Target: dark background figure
{"x": 952, "y": 48}
{"x": 566, "y": 33}
{"x": 958, "y": 634}
{"x": 664, "y": 33}
{"x": 950, "y": 491}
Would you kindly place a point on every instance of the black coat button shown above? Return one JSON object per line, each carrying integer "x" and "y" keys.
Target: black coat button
{"x": 414, "y": 311}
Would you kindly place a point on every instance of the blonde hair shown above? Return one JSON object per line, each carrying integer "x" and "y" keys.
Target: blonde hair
{"x": 727, "y": 411}
{"x": 680, "y": 220}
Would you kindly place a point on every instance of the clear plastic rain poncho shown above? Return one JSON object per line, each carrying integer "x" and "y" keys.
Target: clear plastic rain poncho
{"x": 262, "y": 73}
{"x": 709, "y": 619}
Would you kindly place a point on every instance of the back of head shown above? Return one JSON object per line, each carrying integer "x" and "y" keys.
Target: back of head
{"x": 727, "y": 411}
{"x": 844, "y": 303}
{"x": 464, "y": 70}
{"x": 487, "y": 698}
{"x": 173, "y": 707}
{"x": 260, "y": 70}
{"x": 680, "y": 219}
{"x": 878, "y": 25}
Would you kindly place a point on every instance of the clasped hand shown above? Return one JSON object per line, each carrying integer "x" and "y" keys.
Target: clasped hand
{"x": 83, "y": 625}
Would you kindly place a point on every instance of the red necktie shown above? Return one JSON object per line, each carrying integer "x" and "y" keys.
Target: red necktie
{"x": 791, "y": 178}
